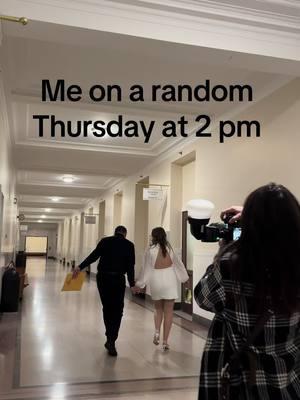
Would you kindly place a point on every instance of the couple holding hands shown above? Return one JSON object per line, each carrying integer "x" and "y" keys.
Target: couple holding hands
{"x": 162, "y": 271}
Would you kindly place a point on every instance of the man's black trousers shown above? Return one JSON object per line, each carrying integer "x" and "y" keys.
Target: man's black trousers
{"x": 112, "y": 291}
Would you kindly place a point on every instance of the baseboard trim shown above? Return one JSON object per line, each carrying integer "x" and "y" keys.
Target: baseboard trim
{"x": 201, "y": 320}
{"x": 36, "y": 255}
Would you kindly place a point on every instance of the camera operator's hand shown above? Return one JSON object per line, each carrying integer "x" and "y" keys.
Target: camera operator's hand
{"x": 234, "y": 211}
{"x": 222, "y": 243}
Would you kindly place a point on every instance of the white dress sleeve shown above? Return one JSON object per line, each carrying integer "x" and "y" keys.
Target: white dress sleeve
{"x": 180, "y": 269}
{"x": 145, "y": 271}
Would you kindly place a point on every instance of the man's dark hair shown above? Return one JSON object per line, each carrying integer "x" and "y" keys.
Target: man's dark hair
{"x": 121, "y": 230}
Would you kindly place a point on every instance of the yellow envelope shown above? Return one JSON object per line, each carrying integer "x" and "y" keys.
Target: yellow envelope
{"x": 73, "y": 284}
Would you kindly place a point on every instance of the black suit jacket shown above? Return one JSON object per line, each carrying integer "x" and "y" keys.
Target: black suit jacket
{"x": 116, "y": 254}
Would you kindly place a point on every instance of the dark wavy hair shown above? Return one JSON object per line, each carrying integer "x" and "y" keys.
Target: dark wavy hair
{"x": 267, "y": 253}
{"x": 159, "y": 237}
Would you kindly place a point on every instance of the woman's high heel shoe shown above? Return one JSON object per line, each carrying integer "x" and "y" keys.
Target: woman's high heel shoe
{"x": 156, "y": 338}
{"x": 166, "y": 347}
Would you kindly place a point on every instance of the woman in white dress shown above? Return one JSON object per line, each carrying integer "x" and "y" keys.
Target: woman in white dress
{"x": 162, "y": 270}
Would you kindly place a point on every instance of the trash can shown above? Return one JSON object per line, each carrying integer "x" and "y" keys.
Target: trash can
{"x": 21, "y": 269}
{"x": 10, "y": 290}
{"x": 21, "y": 259}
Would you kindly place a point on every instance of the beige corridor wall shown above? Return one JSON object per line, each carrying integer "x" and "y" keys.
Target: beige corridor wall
{"x": 227, "y": 173}
{"x": 7, "y": 186}
{"x": 8, "y": 218}
{"x": 224, "y": 173}
{"x": 188, "y": 182}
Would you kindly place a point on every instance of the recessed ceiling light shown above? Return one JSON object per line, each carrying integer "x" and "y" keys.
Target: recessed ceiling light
{"x": 55, "y": 199}
{"x": 68, "y": 179}
{"x": 40, "y": 221}
{"x": 43, "y": 216}
{"x": 47, "y": 209}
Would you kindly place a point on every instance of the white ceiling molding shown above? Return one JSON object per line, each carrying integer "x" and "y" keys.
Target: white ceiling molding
{"x": 252, "y": 11}
{"x": 49, "y": 218}
{"x": 132, "y": 151}
{"x": 41, "y": 211}
{"x": 40, "y": 190}
{"x": 226, "y": 34}
{"x": 264, "y": 28}
{"x": 145, "y": 108}
{"x": 38, "y": 203}
{"x": 33, "y": 224}
{"x": 67, "y": 186}
{"x": 186, "y": 142}
{"x": 141, "y": 150}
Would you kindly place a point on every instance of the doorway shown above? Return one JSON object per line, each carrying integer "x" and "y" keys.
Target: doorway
{"x": 141, "y": 225}
{"x": 101, "y": 227}
{"x": 36, "y": 245}
{"x": 188, "y": 245}
{"x": 183, "y": 182}
{"x": 118, "y": 197}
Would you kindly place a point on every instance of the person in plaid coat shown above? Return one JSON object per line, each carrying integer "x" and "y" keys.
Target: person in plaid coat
{"x": 259, "y": 271}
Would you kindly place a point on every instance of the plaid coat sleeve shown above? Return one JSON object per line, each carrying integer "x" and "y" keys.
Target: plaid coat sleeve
{"x": 209, "y": 292}
{"x": 276, "y": 350}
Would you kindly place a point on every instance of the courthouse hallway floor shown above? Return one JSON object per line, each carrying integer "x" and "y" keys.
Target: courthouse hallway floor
{"x": 53, "y": 348}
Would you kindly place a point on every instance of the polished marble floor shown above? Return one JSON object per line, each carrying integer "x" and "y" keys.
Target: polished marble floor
{"x": 53, "y": 348}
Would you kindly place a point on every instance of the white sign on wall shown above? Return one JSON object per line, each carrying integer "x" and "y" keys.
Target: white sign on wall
{"x": 90, "y": 219}
{"x": 152, "y": 194}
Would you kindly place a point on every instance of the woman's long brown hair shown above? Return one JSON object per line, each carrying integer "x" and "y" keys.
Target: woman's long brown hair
{"x": 159, "y": 237}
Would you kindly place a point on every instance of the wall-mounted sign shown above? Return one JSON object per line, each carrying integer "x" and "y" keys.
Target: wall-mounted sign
{"x": 152, "y": 194}
{"x": 90, "y": 219}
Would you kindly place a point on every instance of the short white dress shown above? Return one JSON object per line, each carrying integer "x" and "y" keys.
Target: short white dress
{"x": 163, "y": 282}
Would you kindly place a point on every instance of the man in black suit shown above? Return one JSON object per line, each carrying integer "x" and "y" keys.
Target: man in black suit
{"x": 117, "y": 258}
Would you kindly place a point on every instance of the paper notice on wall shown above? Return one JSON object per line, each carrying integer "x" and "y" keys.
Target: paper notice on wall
{"x": 152, "y": 194}
{"x": 90, "y": 219}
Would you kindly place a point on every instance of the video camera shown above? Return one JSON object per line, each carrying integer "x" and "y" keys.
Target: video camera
{"x": 199, "y": 213}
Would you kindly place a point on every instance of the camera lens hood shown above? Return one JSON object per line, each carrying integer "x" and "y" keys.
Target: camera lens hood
{"x": 197, "y": 227}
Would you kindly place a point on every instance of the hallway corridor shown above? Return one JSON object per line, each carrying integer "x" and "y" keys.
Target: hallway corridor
{"x": 59, "y": 353}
